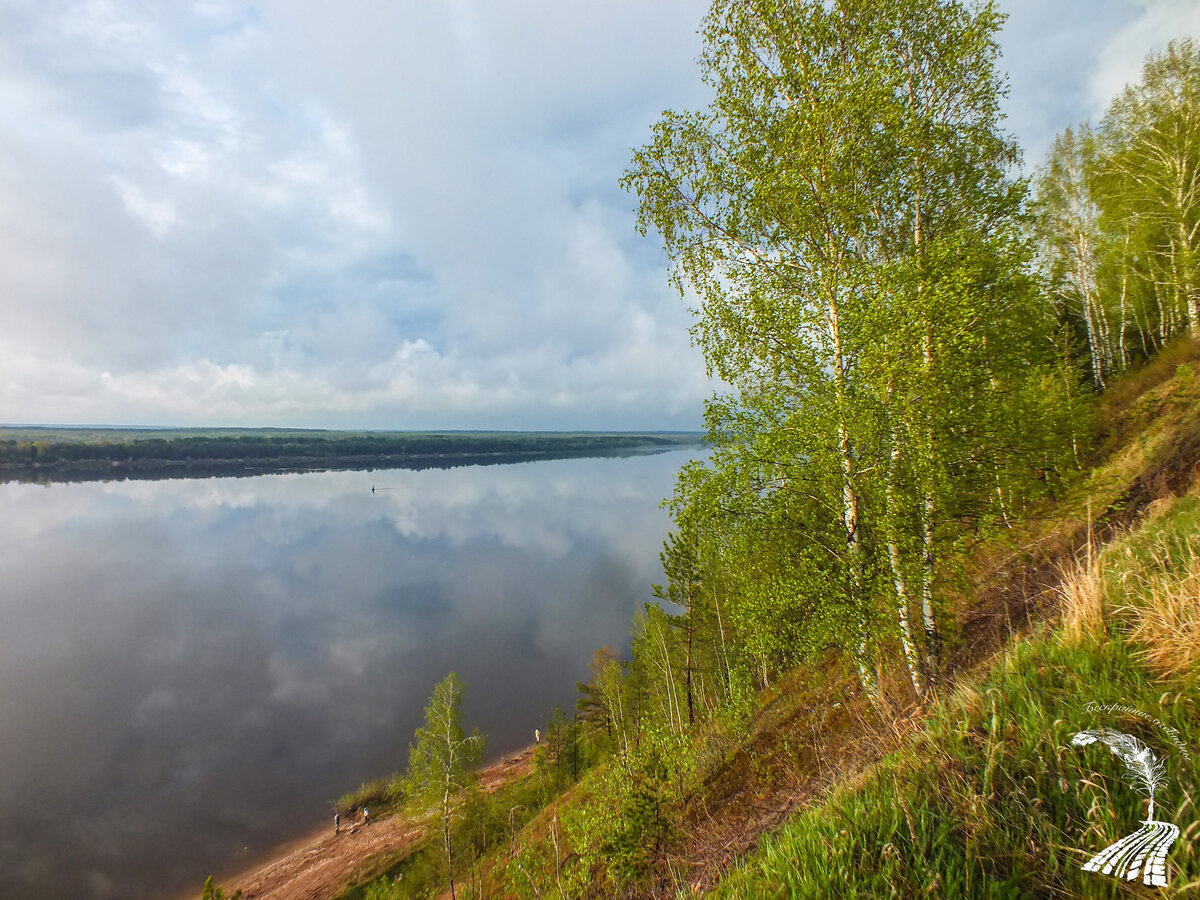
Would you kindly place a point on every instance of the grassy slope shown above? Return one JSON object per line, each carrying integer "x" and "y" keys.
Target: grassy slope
{"x": 982, "y": 794}
{"x": 988, "y": 798}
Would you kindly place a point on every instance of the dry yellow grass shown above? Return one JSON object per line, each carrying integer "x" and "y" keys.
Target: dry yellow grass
{"x": 1164, "y": 621}
{"x": 1081, "y": 599}
{"x": 1147, "y": 584}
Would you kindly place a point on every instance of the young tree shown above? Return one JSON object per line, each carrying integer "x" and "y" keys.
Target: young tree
{"x": 558, "y": 756}
{"x": 591, "y": 704}
{"x": 443, "y": 757}
{"x": 213, "y": 891}
{"x": 697, "y": 624}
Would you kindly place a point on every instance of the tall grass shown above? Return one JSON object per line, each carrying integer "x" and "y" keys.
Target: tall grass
{"x": 1081, "y": 599}
{"x": 990, "y": 800}
{"x": 1153, "y": 587}
{"x": 1144, "y": 587}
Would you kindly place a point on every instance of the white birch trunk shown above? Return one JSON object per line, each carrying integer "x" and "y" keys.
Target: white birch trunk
{"x": 866, "y": 678}
{"x": 912, "y": 657}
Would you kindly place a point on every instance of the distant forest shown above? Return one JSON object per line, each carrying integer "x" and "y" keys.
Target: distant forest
{"x": 68, "y": 454}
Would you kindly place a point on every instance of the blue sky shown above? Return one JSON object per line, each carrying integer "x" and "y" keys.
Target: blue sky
{"x": 384, "y": 213}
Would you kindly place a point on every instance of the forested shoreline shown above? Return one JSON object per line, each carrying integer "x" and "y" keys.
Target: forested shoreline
{"x": 48, "y": 454}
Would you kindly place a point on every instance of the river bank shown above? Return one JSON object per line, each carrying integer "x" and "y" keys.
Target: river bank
{"x": 322, "y": 864}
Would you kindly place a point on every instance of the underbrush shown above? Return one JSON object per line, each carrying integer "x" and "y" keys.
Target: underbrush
{"x": 483, "y": 823}
{"x": 991, "y": 799}
{"x": 380, "y": 793}
{"x": 1145, "y": 587}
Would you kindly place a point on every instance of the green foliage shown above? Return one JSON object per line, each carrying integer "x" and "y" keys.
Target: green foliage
{"x": 622, "y": 830}
{"x": 441, "y": 762}
{"x": 563, "y": 755}
{"x": 216, "y": 892}
{"x": 1117, "y": 213}
{"x": 844, "y": 213}
{"x": 383, "y": 889}
{"x": 534, "y": 872}
{"x": 992, "y": 800}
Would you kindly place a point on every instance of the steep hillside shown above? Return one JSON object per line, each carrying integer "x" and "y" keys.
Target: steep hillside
{"x": 1089, "y": 604}
{"x": 980, "y": 793}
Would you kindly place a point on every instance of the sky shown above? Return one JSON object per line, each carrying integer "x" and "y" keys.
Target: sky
{"x": 385, "y": 214}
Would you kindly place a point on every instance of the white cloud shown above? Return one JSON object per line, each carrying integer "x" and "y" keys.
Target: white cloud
{"x": 392, "y": 214}
{"x": 233, "y": 218}
{"x": 1067, "y": 60}
{"x": 307, "y": 214}
{"x": 1120, "y": 60}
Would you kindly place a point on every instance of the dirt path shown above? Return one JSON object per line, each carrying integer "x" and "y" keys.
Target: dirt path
{"x": 321, "y": 866}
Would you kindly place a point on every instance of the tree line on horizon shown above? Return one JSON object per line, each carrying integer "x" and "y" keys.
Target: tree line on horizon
{"x": 17, "y": 453}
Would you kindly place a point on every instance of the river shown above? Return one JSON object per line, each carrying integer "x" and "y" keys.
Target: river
{"x": 192, "y": 671}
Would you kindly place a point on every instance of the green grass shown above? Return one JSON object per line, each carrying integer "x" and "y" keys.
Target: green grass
{"x": 990, "y": 799}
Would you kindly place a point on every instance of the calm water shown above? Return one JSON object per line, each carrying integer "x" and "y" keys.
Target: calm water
{"x": 192, "y": 671}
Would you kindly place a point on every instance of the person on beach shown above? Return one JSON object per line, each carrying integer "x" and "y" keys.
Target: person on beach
{"x": 337, "y": 822}
{"x": 365, "y": 814}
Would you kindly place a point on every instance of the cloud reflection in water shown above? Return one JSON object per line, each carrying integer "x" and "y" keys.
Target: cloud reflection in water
{"x": 188, "y": 668}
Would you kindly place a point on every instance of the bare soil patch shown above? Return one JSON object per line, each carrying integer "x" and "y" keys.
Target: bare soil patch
{"x": 321, "y": 866}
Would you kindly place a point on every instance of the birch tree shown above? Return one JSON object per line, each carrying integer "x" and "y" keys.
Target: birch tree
{"x": 443, "y": 757}
{"x": 1118, "y": 216}
{"x": 843, "y": 215}
{"x": 1152, "y": 159}
{"x": 1068, "y": 227}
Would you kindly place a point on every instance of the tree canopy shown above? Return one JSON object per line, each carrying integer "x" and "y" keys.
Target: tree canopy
{"x": 1118, "y": 217}
{"x": 845, "y": 216}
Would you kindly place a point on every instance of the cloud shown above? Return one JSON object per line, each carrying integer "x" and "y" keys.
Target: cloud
{"x": 406, "y": 214}
{"x": 395, "y": 214}
{"x": 1154, "y": 24}
{"x": 1067, "y": 60}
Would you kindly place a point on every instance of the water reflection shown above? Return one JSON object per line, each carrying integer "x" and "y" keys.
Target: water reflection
{"x": 190, "y": 670}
